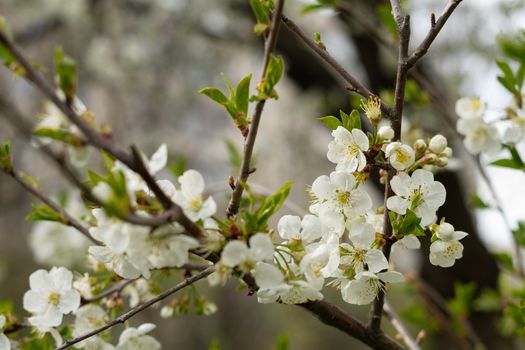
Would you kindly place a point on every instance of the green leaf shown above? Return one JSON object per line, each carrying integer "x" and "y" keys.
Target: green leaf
{"x": 351, "y": 121}
{"x": 44, "y": 213}
{"x": 62, "y": 135}
{"x": 282, "y": 342}
{"x": 504, "y": 259}
{"x": 384, "y": 13}
{"x": 262, "y": 12}
{"x": 215, "y": 94}
{"x": 331, "y": 122}
{"x": 273, "y": 75}
{"x": 6, "y": 161}
{"x": 477, "y": 202}
{"x": 178, "y": 168}
{"x": 66, "y": 71}
{"x": 461, "y": 304}
{"x": 215, "y": 345}
{"x": 271, "y": 205}
{"x": 506, "y": 84}
{"x": 410, "y": 225}
{"x": 242, "y": 94}
{"x": 519, "y": 233}
{"x": 507, "y": 163}
{"x": 488, "y": 301}
{"x": 235, "y": 155}
{"x": 506, "y": 70}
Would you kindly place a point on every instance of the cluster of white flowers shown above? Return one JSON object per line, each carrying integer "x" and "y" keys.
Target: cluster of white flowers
{"x": 131, "y": 250}
{"x": 480, "y": 136}
{"x": 339, "y": 243}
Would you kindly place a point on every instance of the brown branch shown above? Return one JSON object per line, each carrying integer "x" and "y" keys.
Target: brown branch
{"x": 355, "y": 85}
{"x": 333, "y": 316}
{"x": 435, "y": 28}
{"x": 125, "y": 316}
{"x": 65, "y": 217}
{"x": 376, "y": 312}
{"x": 400, "y": 327}
{"x": 235, "y": 201}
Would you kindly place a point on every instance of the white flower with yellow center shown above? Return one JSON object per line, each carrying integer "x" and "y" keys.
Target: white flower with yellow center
{"x": 50, "y": 297}
{"x": 138, "y": 339}
{"x": 364, "y": 288}
{"x": 470, "y": 108}
{"x": 346, "y": 150}
{"x": 190, "y": 196}
{"x": 88, "y": 318}
{"x": 401, "y": 156}
{"x": 338, "y": 194}
{"x": 419, "y": 193}
{"x": 479, "y": 136}
{"x": 446, "y": 249}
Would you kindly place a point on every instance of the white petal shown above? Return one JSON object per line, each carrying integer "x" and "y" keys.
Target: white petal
{"x": 391, "y": 277}
{"x": 289, "y": 227}
{"x": 261, "y": 247}
{"x": 360, "y": 139}
{"x": 401, "y": 184}
{"x": 311, "y": 228}
{"x": 267, "y": 275}
{"x": 158, "y": 159}
{"x": 69, "y": 302}
{"x": 62, "y": 278}
{"x": 40, "y": 281}
{"x": 192, "y": 183}
{"x": 234, "y": 253}
{"x": 35, "y": 302}
{"x": 376, "y": 260}
{"x": 397, "y": 205}
{"x": 359, "y": 292}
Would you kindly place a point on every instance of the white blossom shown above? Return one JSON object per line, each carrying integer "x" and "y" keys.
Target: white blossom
{"x": 479, "y": 136}
{"x": 419, "y": 193}
{"x": 88, "y": 318}
{"x": 138, "y": 339}
{"x": 321, "y": 261}
{"x": 364, "y": 288}
{"x": 516, "y": 131}
{"x": 124, "y": 248}
{"x": 190, "y": 196}
{"x": 307, "y": 230}
{"x": 338, "y": 194}
{"x": 446, "y": 249}
{"x": 470, "y": 108}
{"x": 50, "y": 297}
{"x": 386, "y": 132}
{"x": 401, "y": 156}
{"x": 5, "y": 344}
{"x": 237, "y": 253}
{"x": 169, "y": 248}
{"x": 346, "y": 150}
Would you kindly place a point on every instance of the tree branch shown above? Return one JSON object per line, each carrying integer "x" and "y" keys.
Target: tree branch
{"x": 66, "y": 218}
{"x": 122, "y": 318}
{"x": 355, "y": 85}
{"x": 235, "y": 201}
{"x": 400, "y": 327}
{"x": 432, "y": 34}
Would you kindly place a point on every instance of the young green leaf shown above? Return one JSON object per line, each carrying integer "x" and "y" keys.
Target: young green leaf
{"x": 6, "y": 163}
{"x": 44, "y": 213}
{"x": 242, "y": 94}
{"x": 61, "y": 135}
{"x": 331, "y": 122}
{"x": 215, "y": 94}
{"x": 66, "y": 71}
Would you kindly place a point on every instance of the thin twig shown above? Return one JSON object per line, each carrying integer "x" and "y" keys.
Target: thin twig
{"x": 115, "y": 289}
{"x": 435, "y": 28}
{"x": 400, "y": 327}
{"x": 235, "y": 201}
{"x": 355, "y": 85}
{"x": 124, "y": 317}
{"x": 65, "y": 217}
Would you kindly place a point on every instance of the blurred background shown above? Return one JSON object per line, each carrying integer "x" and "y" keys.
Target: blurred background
{"x": 140, "y": 65}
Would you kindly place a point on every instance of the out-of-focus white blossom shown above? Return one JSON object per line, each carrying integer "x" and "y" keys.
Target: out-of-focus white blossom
{"x": 138, "y": 339}
{"x": 470, "y": 108}
{"x": 88, "y": 318}
{"x": 5, "y": 344}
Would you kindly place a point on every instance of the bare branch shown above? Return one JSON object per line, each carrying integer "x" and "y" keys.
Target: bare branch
{"x": 435, "y": 28}
{"x": 235, "y": 201}
{"x": 355, "y": 85}
{"x": 66, "y": 218}
{"x": 397, "y": 11}
{"x": 400, "y": 327}
{"x": 124, "y": 317}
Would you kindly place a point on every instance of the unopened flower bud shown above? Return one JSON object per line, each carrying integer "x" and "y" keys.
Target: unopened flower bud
{"x": 166, "y": 311}
{"x": 437, "y": 144}
{"x": 431, "y": 158}
{"x": 386, "y": 132}
{"x": 447, "y": 152}
{"x": 445, "y": 231}
{"x": 420, "y": 146}
{"x": 441, "y": 161}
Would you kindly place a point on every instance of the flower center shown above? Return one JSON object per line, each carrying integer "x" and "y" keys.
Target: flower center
{"x": 475, "y": 104}
{"x": 416, "y": 198}
{"x": 353, "y": 150}
{"x": 401, "y": 155}
{"x": 196, "y": 204}
{"x": 343, "y": 198}
{"x": 53, "y": 298}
